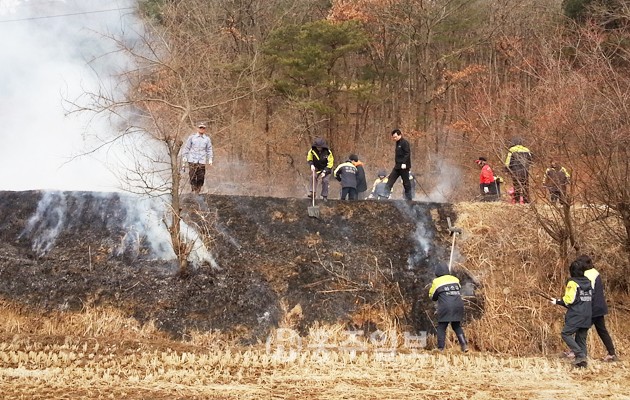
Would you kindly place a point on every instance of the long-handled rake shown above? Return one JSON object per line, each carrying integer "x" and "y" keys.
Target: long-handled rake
{"x": 313, "y": 211}
{"x": 454, "y": 231}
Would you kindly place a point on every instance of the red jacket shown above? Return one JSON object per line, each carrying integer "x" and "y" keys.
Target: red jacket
{"x": 486, "y": 176}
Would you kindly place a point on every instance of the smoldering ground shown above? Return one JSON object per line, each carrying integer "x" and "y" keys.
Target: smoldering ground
{"x": 360, "y": 262}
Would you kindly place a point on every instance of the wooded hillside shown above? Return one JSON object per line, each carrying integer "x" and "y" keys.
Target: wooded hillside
{"x": 461, "y": 78}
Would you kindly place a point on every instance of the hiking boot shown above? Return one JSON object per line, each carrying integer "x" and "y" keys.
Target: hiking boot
{"x": 569, "y": 354}
{"x": 580, "y": 362}
{"x": 324, "y": 199}
{"x": 610, "y": 358}
{"x": 309, "y": 196}
{"x": 463, "y": 344}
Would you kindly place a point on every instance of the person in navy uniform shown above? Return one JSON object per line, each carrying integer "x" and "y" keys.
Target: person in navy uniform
{"x": 346, "y": 174}
{"x": 578, "y": 296}
{"x": 446, "y": 290}
{"x": 600, "y": 308}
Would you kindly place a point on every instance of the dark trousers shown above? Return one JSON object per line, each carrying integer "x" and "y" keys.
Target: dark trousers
{"x": 575, "y": 338}
{"x": 441, "y": 332}
{"x": 348, "y": 193}
{"x": 492, "y": 194}
{"x": 197, "y": 174}
{"x": 521, "y": 189}
{"x": 556, "y": 195}
{"x": 393, "y": 177}
{"x": 600, "y": 327}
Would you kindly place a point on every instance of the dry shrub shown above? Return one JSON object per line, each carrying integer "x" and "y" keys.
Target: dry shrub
{"x": 515, "y": 261}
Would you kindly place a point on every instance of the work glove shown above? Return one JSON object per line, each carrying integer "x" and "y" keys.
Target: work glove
{"x": 403, "y": 166}
{"x": 323, "y": 174}
{"x": 210, "y": 163}
{"x": 486, "y": 190}
{"x": 313, "y": 168}
{"x": 553, "y": 301}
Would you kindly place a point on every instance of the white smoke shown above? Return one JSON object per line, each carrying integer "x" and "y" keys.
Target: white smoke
{"x": 143, "y": 222}
{"x": 199, "y": 253}
{"x": 449, "y": 178}
{"x": 52, "y": 50}
{"x": 47, "y": 223}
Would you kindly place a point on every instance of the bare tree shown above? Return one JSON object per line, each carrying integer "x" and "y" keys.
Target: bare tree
{"x": 175, "y": 78}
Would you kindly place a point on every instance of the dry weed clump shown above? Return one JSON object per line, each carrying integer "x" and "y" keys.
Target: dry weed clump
{"x": 90, "y": 322}
{"x": 515, "y": 261}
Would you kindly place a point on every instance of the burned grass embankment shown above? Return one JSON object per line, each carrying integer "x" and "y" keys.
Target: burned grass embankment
{"x": 361, "y": 264}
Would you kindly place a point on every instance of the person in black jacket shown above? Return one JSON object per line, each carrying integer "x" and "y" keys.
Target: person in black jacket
{"x": 578, "y": 296}
{"x": 517, "y": 163}
{"x": 600, "y": 308}
{"x": 402, "y": 164}
{"x": 446, "y": 290}
{"x": 321, "y": 160}
{"x": 361, "y": 181}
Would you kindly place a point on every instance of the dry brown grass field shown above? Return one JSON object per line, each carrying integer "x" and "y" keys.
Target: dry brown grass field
{"x": 100, "y": 353}
{"x": 74, "y": 367}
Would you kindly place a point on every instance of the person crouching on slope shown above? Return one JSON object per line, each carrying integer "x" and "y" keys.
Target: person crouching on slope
{"x": 446, "y": 290}
{"x": 379, "y": 188}
{"x": 578, "y": 296}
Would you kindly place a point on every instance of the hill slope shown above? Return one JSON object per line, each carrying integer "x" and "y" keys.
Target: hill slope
{"x": 361, "y": 264}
